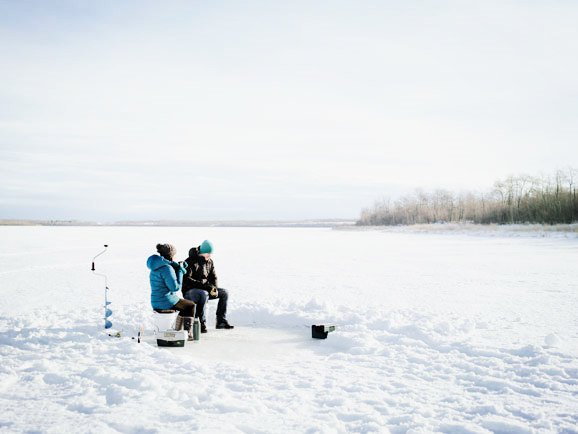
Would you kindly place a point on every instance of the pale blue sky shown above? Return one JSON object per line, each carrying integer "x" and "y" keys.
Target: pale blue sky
{"x": 266, "y": 109}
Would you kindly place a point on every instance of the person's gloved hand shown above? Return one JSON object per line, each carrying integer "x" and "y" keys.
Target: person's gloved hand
{"x": 214, "y": 292}
{"x": 177, "y": 266}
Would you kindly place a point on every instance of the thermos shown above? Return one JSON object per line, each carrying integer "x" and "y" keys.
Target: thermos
{"x": 196, "y": 329}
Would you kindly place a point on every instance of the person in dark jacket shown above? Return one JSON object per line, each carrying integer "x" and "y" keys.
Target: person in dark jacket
{"x": 166, "y": 279}
{"x": 200, "y": 284}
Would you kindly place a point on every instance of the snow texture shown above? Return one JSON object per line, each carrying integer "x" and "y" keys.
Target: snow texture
{"x": 434, "y": 333}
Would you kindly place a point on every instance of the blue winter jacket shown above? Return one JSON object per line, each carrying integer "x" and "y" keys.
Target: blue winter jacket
{"x": 165, "y": 282}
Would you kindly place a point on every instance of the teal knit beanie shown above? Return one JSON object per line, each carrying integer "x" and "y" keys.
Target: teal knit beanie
{"x": 206, "y": 247}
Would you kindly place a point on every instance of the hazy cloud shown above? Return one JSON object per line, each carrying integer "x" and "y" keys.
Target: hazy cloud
{"x": 276, "y": 110}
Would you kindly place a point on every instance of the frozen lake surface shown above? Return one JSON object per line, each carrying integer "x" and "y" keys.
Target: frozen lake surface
{"x": 447, "y": 333}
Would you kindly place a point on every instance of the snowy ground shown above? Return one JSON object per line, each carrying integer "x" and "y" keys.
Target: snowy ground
{"x": 435, "y": 333}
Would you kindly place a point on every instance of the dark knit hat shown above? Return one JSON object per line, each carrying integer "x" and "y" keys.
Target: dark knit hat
{"x": 167, "y": 251}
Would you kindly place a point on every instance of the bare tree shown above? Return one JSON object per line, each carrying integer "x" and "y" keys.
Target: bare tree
{"x": 516, "y": 199}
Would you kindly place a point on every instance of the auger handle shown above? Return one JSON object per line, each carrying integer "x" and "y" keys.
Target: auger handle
{"x": 93, "y": 259}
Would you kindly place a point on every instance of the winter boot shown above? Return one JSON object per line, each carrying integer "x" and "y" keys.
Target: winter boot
{"x": 188, "y": 326}
{"x": 224, "y": 324}
{"x": 179, "y": 323}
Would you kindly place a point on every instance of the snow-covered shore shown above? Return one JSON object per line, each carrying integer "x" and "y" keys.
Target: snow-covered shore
{"x": 489, "y": 230}
{"x": 450, "y": 334}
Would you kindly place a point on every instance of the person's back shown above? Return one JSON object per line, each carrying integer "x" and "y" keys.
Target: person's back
{"x": 164, "y": 283}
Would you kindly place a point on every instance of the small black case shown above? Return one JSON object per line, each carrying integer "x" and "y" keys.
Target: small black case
{"x": 321, "y": 331}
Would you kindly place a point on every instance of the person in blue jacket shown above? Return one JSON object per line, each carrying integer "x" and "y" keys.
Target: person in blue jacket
{"x": 166, "y": 279}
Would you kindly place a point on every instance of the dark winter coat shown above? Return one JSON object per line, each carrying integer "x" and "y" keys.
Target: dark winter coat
{"x": 200, "y": 272}
{"x": 166, "y": 279}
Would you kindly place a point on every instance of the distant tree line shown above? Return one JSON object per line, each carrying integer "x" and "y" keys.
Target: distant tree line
{"x": 517, "y": 199}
